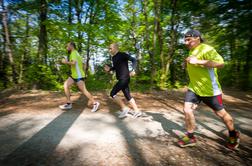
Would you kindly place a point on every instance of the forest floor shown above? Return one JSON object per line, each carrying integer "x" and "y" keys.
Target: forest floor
{"x": 34, "y": 131}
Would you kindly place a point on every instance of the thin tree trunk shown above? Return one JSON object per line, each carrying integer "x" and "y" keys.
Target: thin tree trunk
{"x": 248, "y": 65}
{"x": 70, "y": 12}
{"x": 135, "y": 40}
{"x": 233, "y": 71}
{"x": 147, "y": 40}
{"x": 8, "y": 49}
{"x": 88, "y": 56}
{"x": 138, "y": 55}
{"x": 155, "y": 38}
{"x": 42, "y": 48}
{"x": 89, "y": 34}
{"x": 173, "y": 40}
{"x": 159, "y": 41}
{"x": 3, "y": 66}
{"x": 70, "y": 19}
{"x": 79, "y": 5}
{"x": 24, "y": 57}
{"x": 3, "y": 60}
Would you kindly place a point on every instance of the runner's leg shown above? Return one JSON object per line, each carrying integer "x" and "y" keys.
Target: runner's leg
{"x": 189, "y": 116}
{"x": 82, "y": 87}
{"x": 67, "y": 85}
{"x": 117, "y": 87}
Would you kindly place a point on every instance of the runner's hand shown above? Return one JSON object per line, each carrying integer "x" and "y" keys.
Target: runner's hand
{"x": 192, "y": 60}
{"x": 106, "y": 68}
{"x": 132, "y": 73}
{"x": 63, "y": 61}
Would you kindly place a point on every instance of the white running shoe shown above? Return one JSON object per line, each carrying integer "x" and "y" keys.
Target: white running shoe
{"x": 95, "y": 107}
{"x": 137, "y": 114}
{"x": 132, "y": 112}
{"x": 67, "y": 106}
{"x": 124, "y": 113}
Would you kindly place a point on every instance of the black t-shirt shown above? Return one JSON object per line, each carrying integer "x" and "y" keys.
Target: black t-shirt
{"x": 120, "y": 65}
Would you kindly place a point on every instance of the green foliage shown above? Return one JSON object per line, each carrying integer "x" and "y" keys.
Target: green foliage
{"x": 132, "y": 23}
{"x": 99, "y": 81}
{"x": 42, "y": 77}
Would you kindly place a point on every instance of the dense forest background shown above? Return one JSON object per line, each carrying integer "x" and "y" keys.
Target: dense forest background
{"x": 34, "y": 34}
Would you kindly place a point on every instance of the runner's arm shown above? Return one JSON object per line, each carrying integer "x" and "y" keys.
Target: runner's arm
{"x": 108, "y": 68}
{"x": 205, "y": 63}
{"x": 211, "y": 64}
{"x": 134, "y": 62}
{"x": 64, "y": 61}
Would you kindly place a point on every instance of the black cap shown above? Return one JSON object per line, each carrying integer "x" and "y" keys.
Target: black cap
{"x": 194, "y": 33}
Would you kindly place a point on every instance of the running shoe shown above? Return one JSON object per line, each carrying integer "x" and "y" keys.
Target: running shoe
{"x": 233, "y": 142}
{"x": 66, "y": 106}
{"x": 186, "y": 141}
{"x": 124, "y": 113}
{"x": 95, "y": 107}
{"x": 137, "y": 114}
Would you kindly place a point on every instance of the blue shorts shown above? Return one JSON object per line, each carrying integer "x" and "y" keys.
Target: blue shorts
{"x": 78, "y": 79}
{"x": 214, "y": 102}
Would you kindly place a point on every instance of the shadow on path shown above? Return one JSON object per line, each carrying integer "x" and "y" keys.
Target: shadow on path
{"x": 39, "y": 147}
{"x": 130, "y": 138}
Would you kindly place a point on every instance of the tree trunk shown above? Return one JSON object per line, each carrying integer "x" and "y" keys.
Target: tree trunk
{"x": 70, "y": 12}
{"x": 8, "y": 49}
{"x": 138, "y": 55}
{"x": 3, "y": 65}
{"x": 3, "y": 58}
{"x": 147, "y": 40}
{"x": 70, "y": 19}
{"x": 155, "y": 37}
{"x": 79, "y": 5}
{"x": 173, "y": 40}
{"x": 42, "y": 48}
{"x": 88, "y": 56}
{"x": 248, "y": 65}
{"x": 135, "y": 40}
{"x": 92, "y": 16}
{"x": 158, "y": 43}
{"x": 233, "y": 67}
{"x": 24, "y": 57}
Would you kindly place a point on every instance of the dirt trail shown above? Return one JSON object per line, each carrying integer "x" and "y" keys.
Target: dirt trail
{"x": 33, "y": 131}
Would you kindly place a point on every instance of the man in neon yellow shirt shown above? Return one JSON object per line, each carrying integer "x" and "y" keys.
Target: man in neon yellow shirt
{"x": 202, "y": 64}
{"x": 77, "y": 76}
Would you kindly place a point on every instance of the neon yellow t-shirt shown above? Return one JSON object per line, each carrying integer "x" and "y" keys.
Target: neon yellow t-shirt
{"x": 204, "y": 81}
{"x": 77, "y": 69}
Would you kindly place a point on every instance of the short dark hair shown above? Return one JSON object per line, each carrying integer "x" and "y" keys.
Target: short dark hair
{"x": 72, "y": 44}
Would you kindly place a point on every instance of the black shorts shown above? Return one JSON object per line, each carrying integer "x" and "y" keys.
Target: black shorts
{"x": 76, "y": 80}
{"x": 214, "y": 102}
{"x": 122, "y": 84}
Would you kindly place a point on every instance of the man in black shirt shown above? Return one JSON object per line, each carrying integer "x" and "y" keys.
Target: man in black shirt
{"x": 121, "y": 67}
